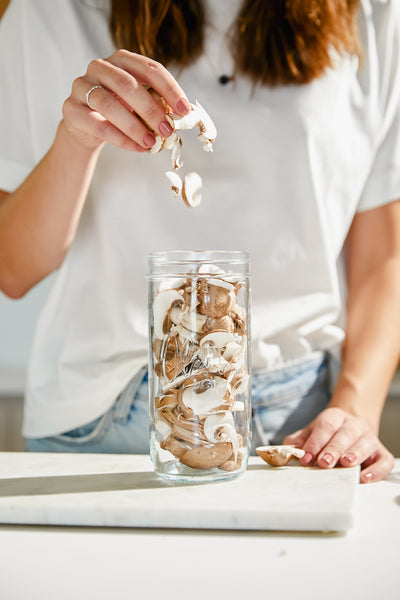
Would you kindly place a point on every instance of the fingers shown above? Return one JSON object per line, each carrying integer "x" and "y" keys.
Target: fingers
{"x": 336, "y": 437}
{"x": 122, "y": 110}
{"x": 153, "y": 73}
{"x": 298, "y": 438}
{"x": 92, "y": 129}
{"x": 321, "y": 432}
{"x": 376, "y": 465}
{"x": 134, "y": 95}
{"x": 110, "y": 108}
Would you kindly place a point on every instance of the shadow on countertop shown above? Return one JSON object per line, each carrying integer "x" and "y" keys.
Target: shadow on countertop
{"x": 78, "y": 484}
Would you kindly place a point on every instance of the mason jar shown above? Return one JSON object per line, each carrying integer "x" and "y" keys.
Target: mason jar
{"x": 199, "y": 364}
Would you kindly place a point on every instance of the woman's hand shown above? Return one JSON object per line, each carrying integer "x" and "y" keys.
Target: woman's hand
{"x": 336, "y": 437}
{"x": 122, "y": 106}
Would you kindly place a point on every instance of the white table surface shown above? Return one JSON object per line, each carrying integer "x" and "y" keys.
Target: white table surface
{"x": 78, "y": 563}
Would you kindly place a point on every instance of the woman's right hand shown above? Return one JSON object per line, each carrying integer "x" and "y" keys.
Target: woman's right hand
{"x": 122, "y": 105}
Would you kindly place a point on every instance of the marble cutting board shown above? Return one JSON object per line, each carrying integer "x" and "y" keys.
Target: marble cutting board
{"x": 123, "y": 491}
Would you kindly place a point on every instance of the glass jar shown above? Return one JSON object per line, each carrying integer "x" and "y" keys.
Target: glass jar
{"x": 199, "y": 365}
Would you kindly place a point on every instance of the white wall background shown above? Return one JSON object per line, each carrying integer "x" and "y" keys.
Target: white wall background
{"x": 17, "y": 325}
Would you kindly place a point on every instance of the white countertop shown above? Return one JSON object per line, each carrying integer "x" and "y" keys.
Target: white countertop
{"x": 76, "y": 563}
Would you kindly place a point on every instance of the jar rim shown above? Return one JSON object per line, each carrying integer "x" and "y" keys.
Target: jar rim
{"x": 193, "y": 256}
{"x": 174, "y": 263}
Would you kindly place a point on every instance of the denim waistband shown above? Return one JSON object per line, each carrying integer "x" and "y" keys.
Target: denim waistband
{"x": 292, "y": 379}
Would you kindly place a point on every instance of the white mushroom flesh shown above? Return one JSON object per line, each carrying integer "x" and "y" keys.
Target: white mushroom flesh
{"x": 201, "y": 403}
{"x": 161, "y": 306}
{"x": 191, "y": 189}
{"x": 198, "y": 117}
{"x": 175, "y": 181}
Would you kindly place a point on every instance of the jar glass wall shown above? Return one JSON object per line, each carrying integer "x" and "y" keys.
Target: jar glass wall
{"x": 199, "y": 364}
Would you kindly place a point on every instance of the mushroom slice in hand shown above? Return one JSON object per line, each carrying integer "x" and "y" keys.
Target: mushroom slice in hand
{"x": 191, "y": 189}
{"x": 198, "y": 117}
{"x": 159, "y": 144}
{"x": 278, "y": 456}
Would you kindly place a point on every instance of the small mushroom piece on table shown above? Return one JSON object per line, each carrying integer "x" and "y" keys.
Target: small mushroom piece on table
{"x": 278, "y": 456}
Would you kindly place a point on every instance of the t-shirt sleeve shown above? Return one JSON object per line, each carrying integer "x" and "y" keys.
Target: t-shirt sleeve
{"x": 383, "y": 184}
{"x": 16, "y": 146}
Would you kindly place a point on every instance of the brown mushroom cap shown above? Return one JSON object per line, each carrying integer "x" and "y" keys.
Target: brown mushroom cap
{"x": 216, "y": 301}
{"x": 207, "y": 457}
{"x": 239, "y": 320}
{"x": 224, "y": 323}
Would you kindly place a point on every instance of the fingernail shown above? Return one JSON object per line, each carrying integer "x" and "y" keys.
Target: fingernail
{"x": 307, "y": 458}
{"x": 165, "y": 129}
{"x": 327, "y": 458}
{"x": 350, "y": 457}
{"x": 183, "y": 105}
{"x": 149, "y": 140}
{"x": 367, "y": 477}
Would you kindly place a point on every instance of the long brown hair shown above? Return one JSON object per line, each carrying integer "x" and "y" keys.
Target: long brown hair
{"x": 273, "y": 41}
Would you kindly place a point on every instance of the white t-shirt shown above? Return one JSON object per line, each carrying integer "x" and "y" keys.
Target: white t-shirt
{"x": 290, "y": 168}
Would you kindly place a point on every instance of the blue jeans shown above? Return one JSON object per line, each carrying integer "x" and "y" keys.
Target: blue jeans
{"x": 282, "y": 402}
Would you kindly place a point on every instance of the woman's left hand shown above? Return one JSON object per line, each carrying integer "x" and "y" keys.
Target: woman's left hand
{"x": 336, "y": 437}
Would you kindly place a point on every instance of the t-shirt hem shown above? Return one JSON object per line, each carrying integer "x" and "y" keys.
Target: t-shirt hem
{"x": 384, "y": 189}
{"x": 12, "y": 174}
{"x": 32, "y": 429}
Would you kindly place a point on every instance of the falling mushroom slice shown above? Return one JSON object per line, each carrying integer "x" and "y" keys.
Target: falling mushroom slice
{"x": 175, "y": 181}
{"x": 191, "y": 189}
{"x": 176, "y": 153}
{"x": 278, "y": 456}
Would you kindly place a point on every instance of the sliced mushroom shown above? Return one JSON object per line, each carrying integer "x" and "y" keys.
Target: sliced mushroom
{"x": 239, "y": 319}
{"x": 217, "y": 297}
{"x": 175, "y": 181}
{"x": 233, "y": 350}
{"x": 219, "y": 324}
{"x": 201, "y": 402}
{"x": 232, "y": 464}
{"x": 176, "y": 448}
{"x": 176, "y": 153}
{"x": 207, "y": 457}
{"x": 159, "y": 144}
{"x": 218, "y": 339}
{"x": 191, "y": 189}
{"x": 170, "y": 141}
{"x": 240, "y": 383}
{"x": 210, "y": 269}
{"x": 162, "y": 304}
{"x": 198, "y": 117}
{"x": 278, "y": 456}
{"x": 212, "y": 359}
{"x": 193, "y": 321}
{"x": 205, "y": 142}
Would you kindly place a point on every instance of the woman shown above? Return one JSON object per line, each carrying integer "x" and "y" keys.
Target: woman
{"x": 304, "y": 176}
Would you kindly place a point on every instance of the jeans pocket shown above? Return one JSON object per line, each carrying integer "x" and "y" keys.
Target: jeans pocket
{"x": 90, "y": 433}
{"x": 129, "y": 396}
